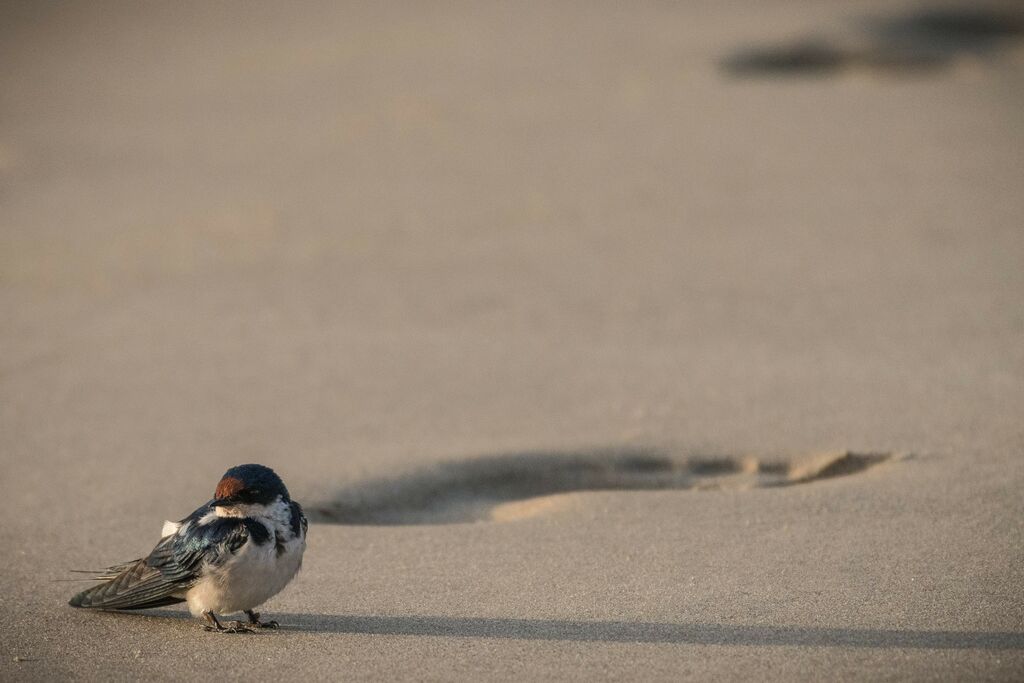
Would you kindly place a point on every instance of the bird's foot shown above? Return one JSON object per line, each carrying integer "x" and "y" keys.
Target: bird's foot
{"x": 254, "y": 621}
{"x": 233, "y": 627}
{"x": 239, "y": 627}
{"x": 213, "y": 624}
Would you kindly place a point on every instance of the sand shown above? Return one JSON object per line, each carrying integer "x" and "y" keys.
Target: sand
{"x": 635, "y": 341}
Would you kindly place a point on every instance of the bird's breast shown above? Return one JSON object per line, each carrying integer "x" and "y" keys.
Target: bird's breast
{"x": 252, "y": 575}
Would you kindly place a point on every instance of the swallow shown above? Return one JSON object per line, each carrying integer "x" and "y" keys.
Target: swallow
{"x": 232, "y": 554}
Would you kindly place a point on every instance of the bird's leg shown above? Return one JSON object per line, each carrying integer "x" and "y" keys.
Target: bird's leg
{"x": 254, "y": 620}
{"x": 211, "y": 622}
{"x": 213, "y": 625}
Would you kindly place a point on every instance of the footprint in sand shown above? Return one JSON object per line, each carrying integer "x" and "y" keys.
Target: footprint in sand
{"x": 924, "y": 42}
{"x": 513, "y": 487}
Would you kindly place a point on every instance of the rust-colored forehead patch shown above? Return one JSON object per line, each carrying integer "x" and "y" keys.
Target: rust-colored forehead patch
{"x": 228, "y": 486}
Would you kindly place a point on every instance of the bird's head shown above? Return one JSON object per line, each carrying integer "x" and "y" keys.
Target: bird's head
{"x": 246, "y": 486}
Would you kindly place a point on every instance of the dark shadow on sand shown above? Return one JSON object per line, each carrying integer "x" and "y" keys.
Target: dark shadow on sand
{"x": 643, "y": 632}
{"x": 925, "y": 41}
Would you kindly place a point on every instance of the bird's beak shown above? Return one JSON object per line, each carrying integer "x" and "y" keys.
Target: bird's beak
{"x": 224, "y": 502}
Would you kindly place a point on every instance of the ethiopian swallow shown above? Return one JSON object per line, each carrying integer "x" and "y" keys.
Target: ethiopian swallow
{"x": 231, "y": 555}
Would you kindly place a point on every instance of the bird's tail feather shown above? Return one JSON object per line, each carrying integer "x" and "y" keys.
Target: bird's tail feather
{"x": 133, "y": 585}
{"x": 110, "y": 572}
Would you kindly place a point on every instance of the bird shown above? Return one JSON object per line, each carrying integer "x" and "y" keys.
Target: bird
{"x": 231, "y": 555}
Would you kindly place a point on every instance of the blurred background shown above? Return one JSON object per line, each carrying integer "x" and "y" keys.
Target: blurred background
{"x": 246, "y": 230}
{"x": 366, "y": 233}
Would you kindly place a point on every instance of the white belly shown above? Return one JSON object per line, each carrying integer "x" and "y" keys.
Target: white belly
{"x": 252, "y": 576}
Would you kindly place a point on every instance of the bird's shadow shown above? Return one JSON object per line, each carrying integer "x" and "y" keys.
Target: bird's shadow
{"x": 683, "y": 633}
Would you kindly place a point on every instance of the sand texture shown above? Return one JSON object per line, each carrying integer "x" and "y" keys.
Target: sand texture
{"x": 638, "y": 341}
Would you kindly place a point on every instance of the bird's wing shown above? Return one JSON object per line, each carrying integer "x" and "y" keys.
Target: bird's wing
{"x": 180, "y": 558}
{"x": 173, "y": 566}
{"x": 298, "y": 519}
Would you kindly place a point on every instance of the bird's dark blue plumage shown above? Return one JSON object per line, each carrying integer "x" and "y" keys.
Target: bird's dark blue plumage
{"x": 253, "y": 484}
{"x": 180, "y": 557}
{"x": 298, "y": 521}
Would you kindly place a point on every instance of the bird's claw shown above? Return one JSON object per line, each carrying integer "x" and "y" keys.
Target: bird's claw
{"x": 235, "y": 627}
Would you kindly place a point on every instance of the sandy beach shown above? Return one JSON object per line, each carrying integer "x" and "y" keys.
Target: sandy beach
{"x": 640, "y": 341}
